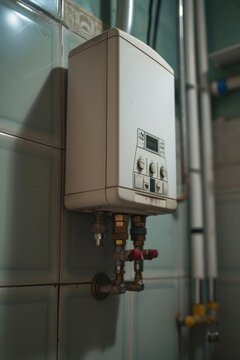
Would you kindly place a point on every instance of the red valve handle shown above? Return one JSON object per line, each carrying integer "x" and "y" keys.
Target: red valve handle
{"x": 135, "y": 254}
{"x": 150, "y": 254}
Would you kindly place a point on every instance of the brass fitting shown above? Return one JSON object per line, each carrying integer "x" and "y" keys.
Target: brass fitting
{"x": 200, "y": 316}
{"x": 119, "y": 236}
{"x": 99, "y": 228}
{"x": 102, "y": 286}
{"x": 138, "y": 236}
{"x": 213, "y": 306}
{"x": 120, "y": 229}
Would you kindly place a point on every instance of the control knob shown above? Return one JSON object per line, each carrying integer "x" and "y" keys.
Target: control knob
{"x": 140, "y": 164}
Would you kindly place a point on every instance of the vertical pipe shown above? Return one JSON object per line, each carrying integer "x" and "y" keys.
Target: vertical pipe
{"x": 182, "y": 92}
{"x": 124, "y": 18}
{"x": 195, "y": 172}
{"x": 208, "y": 177}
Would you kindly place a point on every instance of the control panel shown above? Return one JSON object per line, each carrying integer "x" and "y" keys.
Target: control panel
{"x": 150, "y": 168}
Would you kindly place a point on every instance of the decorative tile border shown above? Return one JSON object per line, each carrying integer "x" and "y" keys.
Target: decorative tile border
{"x": 80, "y": 21}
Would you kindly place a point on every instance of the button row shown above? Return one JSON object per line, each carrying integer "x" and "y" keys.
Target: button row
{"x": 143, "y": 183}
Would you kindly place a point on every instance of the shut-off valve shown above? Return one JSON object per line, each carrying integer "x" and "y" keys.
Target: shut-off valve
{"x": 102, "y": 286}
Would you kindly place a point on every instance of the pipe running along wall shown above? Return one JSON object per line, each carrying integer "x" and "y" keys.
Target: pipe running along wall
{"x": 183, "y": 110}
{"x": 202, "y": 314}
{"x": 207, "y": 152}
{"x": 195, "y": 171}
{"x": 224, "y": 86}
{"x": 124, "y": 17}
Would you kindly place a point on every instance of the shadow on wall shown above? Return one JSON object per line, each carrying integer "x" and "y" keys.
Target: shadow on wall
{"x": 88, "y": 327}
{"x": 32, "y": 194}
{"x": 48, "y": 109}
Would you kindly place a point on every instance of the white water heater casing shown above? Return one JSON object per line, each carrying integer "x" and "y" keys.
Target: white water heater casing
{"x": 120, "y": 149}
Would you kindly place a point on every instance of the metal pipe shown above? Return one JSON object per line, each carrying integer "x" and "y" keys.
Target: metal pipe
{"x": 195, "y": 171}
{"x": 99, "y": 228}
{"x": 224, "y": 86}
{"x": 138, "y": 236}
{"x": 119, "y": 236}
{"x": 124, "y": 18}
{"x": 208, "y": 177}
{"x": 101, "y": 285}
{"x": 183, "y": 102}
{"x": 197, "y": 287}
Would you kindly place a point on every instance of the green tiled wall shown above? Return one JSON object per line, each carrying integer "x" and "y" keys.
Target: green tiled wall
{"x": 223, "y": 31}
{"x": 46, "y": 252}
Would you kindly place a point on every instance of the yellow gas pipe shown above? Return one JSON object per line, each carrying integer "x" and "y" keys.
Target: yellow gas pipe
{"x": 202, "y": 315}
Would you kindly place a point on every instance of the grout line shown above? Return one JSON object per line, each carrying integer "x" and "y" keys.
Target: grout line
{"x": 61, "y": 216}
{"x": 58, "y": 322}
{"x": 59, "y": 284}
{"x": 45, "y": 284}
{"x": 28, "y": 285}
{"x": 14, "y": 136}
{"x": 38, "y": 10}
{"x": 167, "y": 277}
{"x": 229, "y": 277}
{"x": 131, "y": 327}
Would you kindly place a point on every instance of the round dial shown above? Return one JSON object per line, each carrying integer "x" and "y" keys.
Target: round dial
{"x": 152, "y": 168}
{"x": 162, "y": 172}
{"x": 140, "y": 164}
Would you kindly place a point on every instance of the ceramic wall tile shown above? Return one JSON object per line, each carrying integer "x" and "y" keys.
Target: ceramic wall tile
{"x": 168, "y": 234}
{"x": 30, "y": 72}
{"x": 80, "y": 20}
{"x": 229, "y": 327}
{"x": 149, "y": 315}
{"x": 30, "y": 212}
{"x": 28, "y": 323}
{"x": 140, "y": 21}
{"x": 104, "y": 11}
{"x": 182, "y": 238}
{"x": 228, "y": 230}
{"x": 167, "y": 34}
{"x": 80, "y": 258}
{"x": 226, "y": 34}
{"x": 226, "y": 142}
{"x": 226, "y": 154}
{"x": 161, "y": 231}
{"x": 183, "y": 310}
{"x": 91, "y": 329}
{"x": 69, "y": 42}
{"x": 154, "y": 321}
{"x": 229, "y": 182}
{"x": 53, "y": 7}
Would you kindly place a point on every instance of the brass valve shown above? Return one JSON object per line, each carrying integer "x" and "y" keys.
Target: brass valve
{"x": 102, "y": 286}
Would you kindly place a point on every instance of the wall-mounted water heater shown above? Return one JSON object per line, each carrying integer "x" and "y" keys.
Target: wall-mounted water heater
{"x": 120, "y": 151}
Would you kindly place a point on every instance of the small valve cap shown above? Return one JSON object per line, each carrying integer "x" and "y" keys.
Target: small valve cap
{"x": 152, "y": 254}
{"x": 135, "y": 254}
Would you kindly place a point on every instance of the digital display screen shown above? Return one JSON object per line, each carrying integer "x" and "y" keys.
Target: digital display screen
{"x": 151, "y": 143}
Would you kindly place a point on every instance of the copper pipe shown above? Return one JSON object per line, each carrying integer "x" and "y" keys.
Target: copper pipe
{"x": 138, "y": 236}
{"x": 119, "y": 236}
